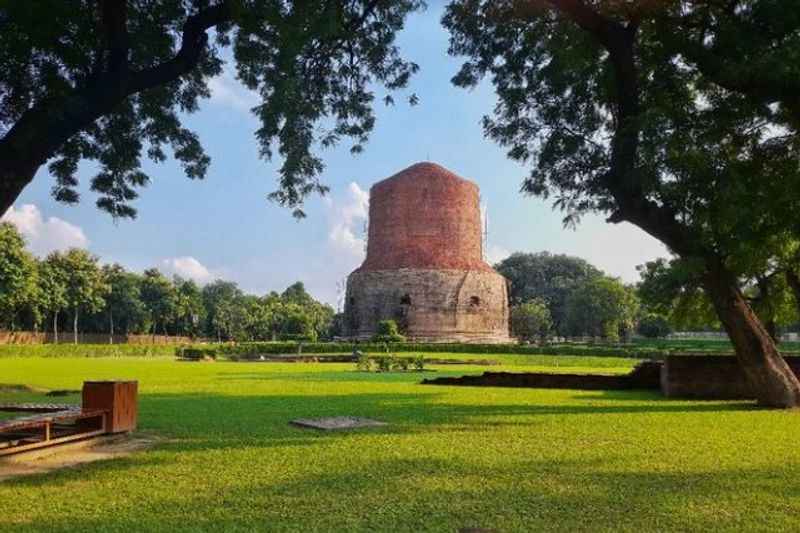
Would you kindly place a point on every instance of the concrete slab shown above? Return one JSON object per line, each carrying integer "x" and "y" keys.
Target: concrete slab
{"x": 335, "y": 423}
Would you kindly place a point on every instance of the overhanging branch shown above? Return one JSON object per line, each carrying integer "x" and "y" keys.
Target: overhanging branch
{"x": 193, "y": 42}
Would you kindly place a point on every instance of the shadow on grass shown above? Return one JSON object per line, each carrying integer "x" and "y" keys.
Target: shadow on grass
{"x": 223, "y": 417}
{"x": 203, "y": 422}
{"x": 430, "y": 494}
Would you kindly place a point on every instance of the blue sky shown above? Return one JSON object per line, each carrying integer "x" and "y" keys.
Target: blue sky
{"x": 225, "y": 227}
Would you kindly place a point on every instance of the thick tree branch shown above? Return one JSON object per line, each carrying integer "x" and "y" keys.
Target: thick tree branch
{"x": 193, "y": 43}
{"x": 114, "y": 25}
{"x": 623, "y": 180}
{"x": 42, "y": 129}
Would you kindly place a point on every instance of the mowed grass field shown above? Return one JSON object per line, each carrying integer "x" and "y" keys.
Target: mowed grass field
{"x": 452, "y": 457}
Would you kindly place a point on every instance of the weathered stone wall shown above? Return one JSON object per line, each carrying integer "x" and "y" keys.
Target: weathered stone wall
{"x": 709, "y": 377}
{"x": 429, "y": 305}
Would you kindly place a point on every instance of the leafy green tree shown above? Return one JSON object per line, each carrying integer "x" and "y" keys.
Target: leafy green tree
{"x": 531, "y": 320}
{"x": 221, "y": 300}
{"x": 18, "y": 274}
{"x": 550, "y": 277}
{"x": 159, "y": 299}
{"x": 653, "y": 326}
{"x": 107, "y": 80}
{"x": 123, "y": 301}
{"x": 673, "y": 288}
{"x": 84, "y": 286}
{"x": 264, "y": 317}
{"x": 189, "y": 309}
{"x": 52, "y": 288}
{"x": 646, "y": 112}
{"x": 602, "y": 307}
{"x": 296, "y": 323}
{"x": 296, "y": 294}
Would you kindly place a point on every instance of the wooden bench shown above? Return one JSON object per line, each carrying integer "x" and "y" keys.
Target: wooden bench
{"x": 108, "y": 407}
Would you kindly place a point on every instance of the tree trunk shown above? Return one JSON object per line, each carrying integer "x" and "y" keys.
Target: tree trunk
{"x": 15, "y": 175}
{"x": 110, "y": 327}
{"x": 75, "y": 327}
{"x": 765, "y": 308}
{"x": 793, "y": 280}
{"x": 772, "y": 330}
{"x": 772, "y": 381}
{"x": 55, "y": 327}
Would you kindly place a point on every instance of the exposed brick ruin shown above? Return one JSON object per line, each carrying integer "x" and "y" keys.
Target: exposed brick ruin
{"x": 424, "y": 266}
{"x": 696, "y": 377}
{"x": 710, "y": 377}
{"x": 644, "y": 376}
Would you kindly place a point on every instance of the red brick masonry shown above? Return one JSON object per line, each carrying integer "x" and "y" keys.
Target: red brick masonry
{"x": 424, "y": 217}
{"x": 702, "y": 377}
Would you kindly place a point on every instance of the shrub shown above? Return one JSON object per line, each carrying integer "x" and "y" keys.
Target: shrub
{"x": 363, "y": 362}
{"x": 388, "y": 331}
{"x": 419, "y": 362}
{"x": 531, "y": 320}
{"x": 196, "y": 353}
{"x": 654, "y": 326}
{"x": 385, "y": 363}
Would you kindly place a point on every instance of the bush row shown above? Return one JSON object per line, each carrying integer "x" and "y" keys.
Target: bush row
{"x": 255, "y": 349}
{"x": 86, "y": 350}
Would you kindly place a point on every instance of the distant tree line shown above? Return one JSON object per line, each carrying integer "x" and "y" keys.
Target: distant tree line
{"x": 560, "y": 295}
{"x": 71, "y": 291}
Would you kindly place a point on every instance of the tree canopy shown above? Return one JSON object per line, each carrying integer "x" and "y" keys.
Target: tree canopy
{"x": 18, "y": 274}
{"x": 659, "y": 114}
{"x": 602, "y": 307}
{"x": 546, "y": 276}
{"x": 110, "y": 81}
{"x": 531, "y": 321}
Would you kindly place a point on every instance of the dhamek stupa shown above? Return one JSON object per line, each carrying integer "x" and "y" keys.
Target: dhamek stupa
{"x": 424, "y": 266}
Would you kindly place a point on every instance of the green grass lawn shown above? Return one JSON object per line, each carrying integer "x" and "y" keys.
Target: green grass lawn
{"x": 506, "y": 459}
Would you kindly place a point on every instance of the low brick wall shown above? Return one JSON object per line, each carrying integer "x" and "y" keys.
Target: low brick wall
{"x": 644, "y": 376}
{"x": 709, "y": 377}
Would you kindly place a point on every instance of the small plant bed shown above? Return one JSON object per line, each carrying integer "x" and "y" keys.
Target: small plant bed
{"x": 292, "y": 358}
{"x": 389, "y": 363}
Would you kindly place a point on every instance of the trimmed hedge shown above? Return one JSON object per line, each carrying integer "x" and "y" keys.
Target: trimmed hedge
{"x": 253, "y": 350}
{"x": 86, "y": 350}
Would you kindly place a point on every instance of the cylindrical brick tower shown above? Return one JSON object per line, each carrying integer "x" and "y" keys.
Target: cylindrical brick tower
{"x": 424, "y": 266}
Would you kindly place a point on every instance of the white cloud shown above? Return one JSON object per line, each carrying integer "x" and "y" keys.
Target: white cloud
{"x": 227, "y": 91}
{"x": 495, "y": 253}
{"x": 45, "y": 236}
{"x": 188, "y": 267}
{"x": 346, "y": 221}
{"x": 616, "y": 248}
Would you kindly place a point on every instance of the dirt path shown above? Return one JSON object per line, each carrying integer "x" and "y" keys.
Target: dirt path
{"x": 72, "y": 455}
